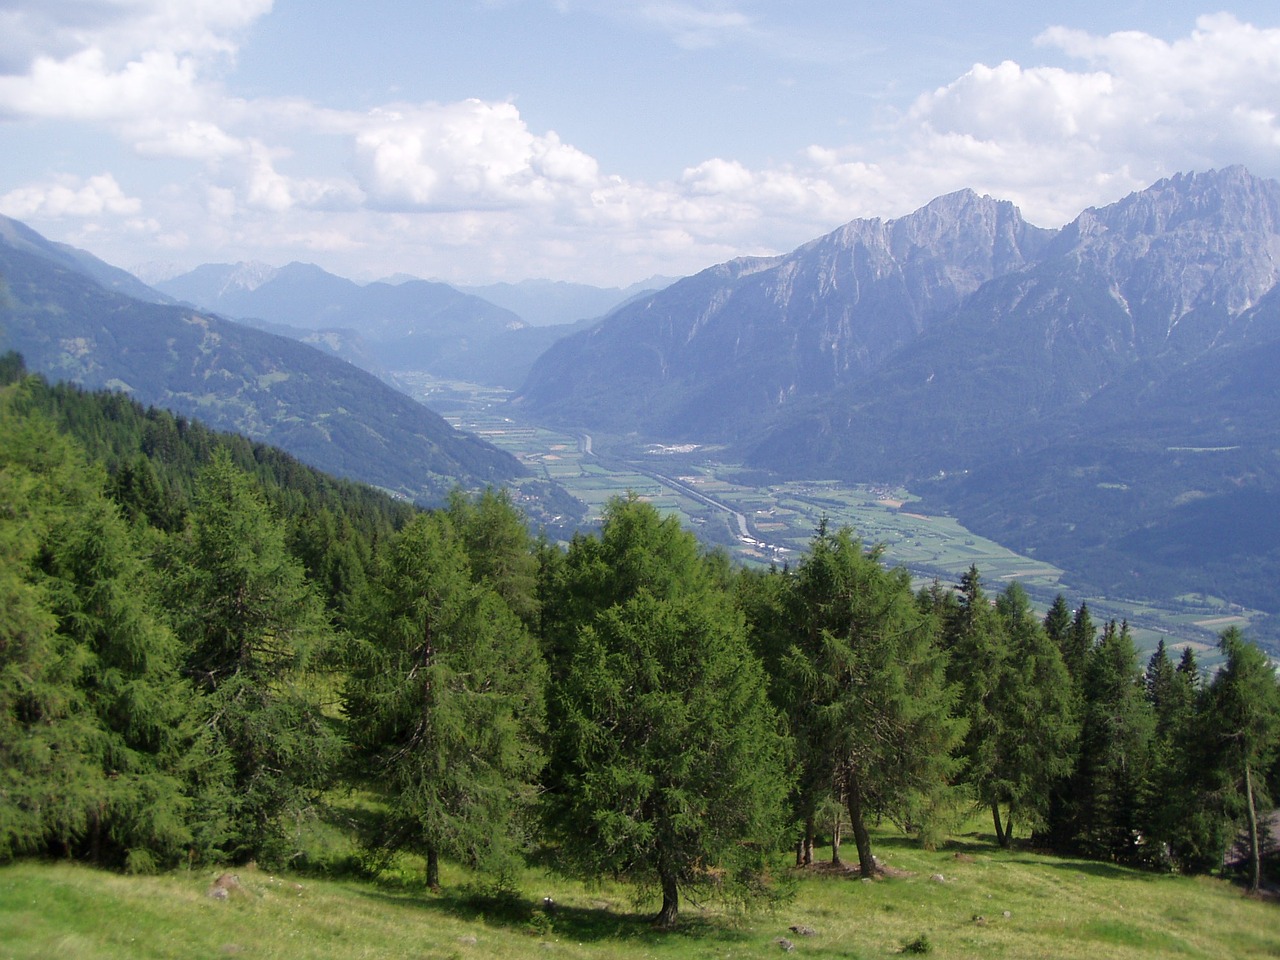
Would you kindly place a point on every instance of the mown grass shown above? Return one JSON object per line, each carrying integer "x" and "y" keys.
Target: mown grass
{"x": 988, "y": 904}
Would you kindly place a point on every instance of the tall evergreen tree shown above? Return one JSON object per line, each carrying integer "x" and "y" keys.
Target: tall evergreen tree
{"x": 1245, "y": 716}
{"x": 1115, "y": 751}
{"x": 252, "y": 627}
{"x": 499, "y": 548}
{"x": 1034, "y": 719}
{"x": 870, "y": 703}
{"x": 91, "y": 705}
{"x": 445, "y": 704}
{"x": 667, "y": 762}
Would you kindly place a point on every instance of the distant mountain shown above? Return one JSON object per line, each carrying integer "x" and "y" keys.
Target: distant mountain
{"x": 383, "y": 327}
{"x": 1101, "y": 395}
{"x": 326, "y": 412}
{"x": 710, "y": 356}
{"x": 18, "y": 236}
{"x": 542, "y": 303}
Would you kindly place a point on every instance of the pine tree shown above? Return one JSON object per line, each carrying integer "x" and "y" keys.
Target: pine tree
{"x": 445, "y": 704}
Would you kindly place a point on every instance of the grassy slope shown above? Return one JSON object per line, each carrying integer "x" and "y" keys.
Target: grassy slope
{"x": 1057, "y": 908}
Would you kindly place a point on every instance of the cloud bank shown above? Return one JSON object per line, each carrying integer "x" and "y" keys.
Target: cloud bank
{"x": 468, "y": 191}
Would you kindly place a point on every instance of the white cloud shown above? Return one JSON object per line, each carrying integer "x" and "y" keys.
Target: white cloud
{"x": 439, "y": 189}
{"x": 1052, "y": 138}
{"x": 69, "y": 197}
{"x": 464, "y": 156}
{"x": 695, "y": 26}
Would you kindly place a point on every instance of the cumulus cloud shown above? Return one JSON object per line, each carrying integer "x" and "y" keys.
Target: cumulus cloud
{"x": 469, "y": 185}
{"x": 69, "y": 197}
{"x": 1143, "y": 108}
{"x": 469, "y": 155}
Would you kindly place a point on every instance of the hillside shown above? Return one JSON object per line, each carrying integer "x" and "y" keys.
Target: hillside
{"x": 324, "y": 411}
{"x": 990, "y": 905}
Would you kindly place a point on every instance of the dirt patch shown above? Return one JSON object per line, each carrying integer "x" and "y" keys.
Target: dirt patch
{"x": 825, "y": 868}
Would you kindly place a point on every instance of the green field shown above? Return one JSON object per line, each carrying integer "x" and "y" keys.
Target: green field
{"x": 781, "y": 518}
{"x": 967, "y": 900}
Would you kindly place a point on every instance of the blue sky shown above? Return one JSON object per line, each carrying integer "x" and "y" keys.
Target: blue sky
{"x": 482, "y": 140}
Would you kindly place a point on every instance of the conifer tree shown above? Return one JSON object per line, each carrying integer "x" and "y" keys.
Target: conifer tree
{"x": 1115, "y": 751}
{"x": 252, "y": 628}
{"x": 667, "y": 763}
{"x": 1245, "y": 725}
{"x": 499, "y": 548}
{"x": 445, "y": 704}
{"x": 91, "y": 705}
{"x": 870, "y": 703}
{"x": 1034, "y": 719}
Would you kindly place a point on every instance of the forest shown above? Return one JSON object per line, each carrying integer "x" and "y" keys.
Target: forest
{"x": 201, "y": 640}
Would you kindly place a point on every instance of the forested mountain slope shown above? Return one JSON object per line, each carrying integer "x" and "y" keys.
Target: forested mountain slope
{"x": 232, "y": 377}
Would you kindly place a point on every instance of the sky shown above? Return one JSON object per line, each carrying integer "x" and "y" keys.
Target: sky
{"x": 597, "y": 141}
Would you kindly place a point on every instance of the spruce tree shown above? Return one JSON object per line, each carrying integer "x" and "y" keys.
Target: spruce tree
{"x": 1118, "y": 724}
{"x": 1034, "y": 718}
{"x": 1245, "y": 726}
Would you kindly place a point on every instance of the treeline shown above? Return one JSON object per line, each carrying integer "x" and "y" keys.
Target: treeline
{"x": 201, "y": 639}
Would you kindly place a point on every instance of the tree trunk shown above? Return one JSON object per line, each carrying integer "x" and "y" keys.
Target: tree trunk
{"x": 666, "y": 917}
{"x": 807, "y": 859}
{"x": 1008, "y": 828}
{"x": 995, "y": 816}
{"x": 835, "y": 839}
{"x": 433, "y": 867}
{"x": 853, "y": 793}
{"x": 1255, "y": 855}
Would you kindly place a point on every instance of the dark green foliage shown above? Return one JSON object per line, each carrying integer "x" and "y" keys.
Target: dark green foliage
{"x": 1118, "y": 723}
{"x": 444, "y": 703}
{"x": 866, "y": 692}
{"x": 251, "y": 627}
{"x": 1244, "y": 724}
{"x": 667, "y": 764}
{"x": 1036, "y": 727}
{"x": 92, "y": 709}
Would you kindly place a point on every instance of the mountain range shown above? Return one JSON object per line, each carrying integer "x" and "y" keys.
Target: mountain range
{"x": 1099, "y": 395}
{"x": 489, "y": 334}
{"x": 75, "y": 318}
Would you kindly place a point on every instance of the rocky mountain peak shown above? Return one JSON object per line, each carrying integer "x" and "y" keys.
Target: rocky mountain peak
{"x": 1206, "y": 243}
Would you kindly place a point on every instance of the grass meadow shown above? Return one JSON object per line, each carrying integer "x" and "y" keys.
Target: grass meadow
{"x": 966, "y": 900}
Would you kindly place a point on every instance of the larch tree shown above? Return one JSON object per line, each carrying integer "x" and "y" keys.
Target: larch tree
{"x": 444, "y": 704}
{"x": 92, "y": 708}
{"x": 252, "y": 628}
{"x": 870, "y": 703}
{"x": 667, "y": 766}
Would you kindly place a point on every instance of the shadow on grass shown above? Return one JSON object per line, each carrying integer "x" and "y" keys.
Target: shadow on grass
{"x": 579, "y": 924}
{"x": 1091, "y": 868}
